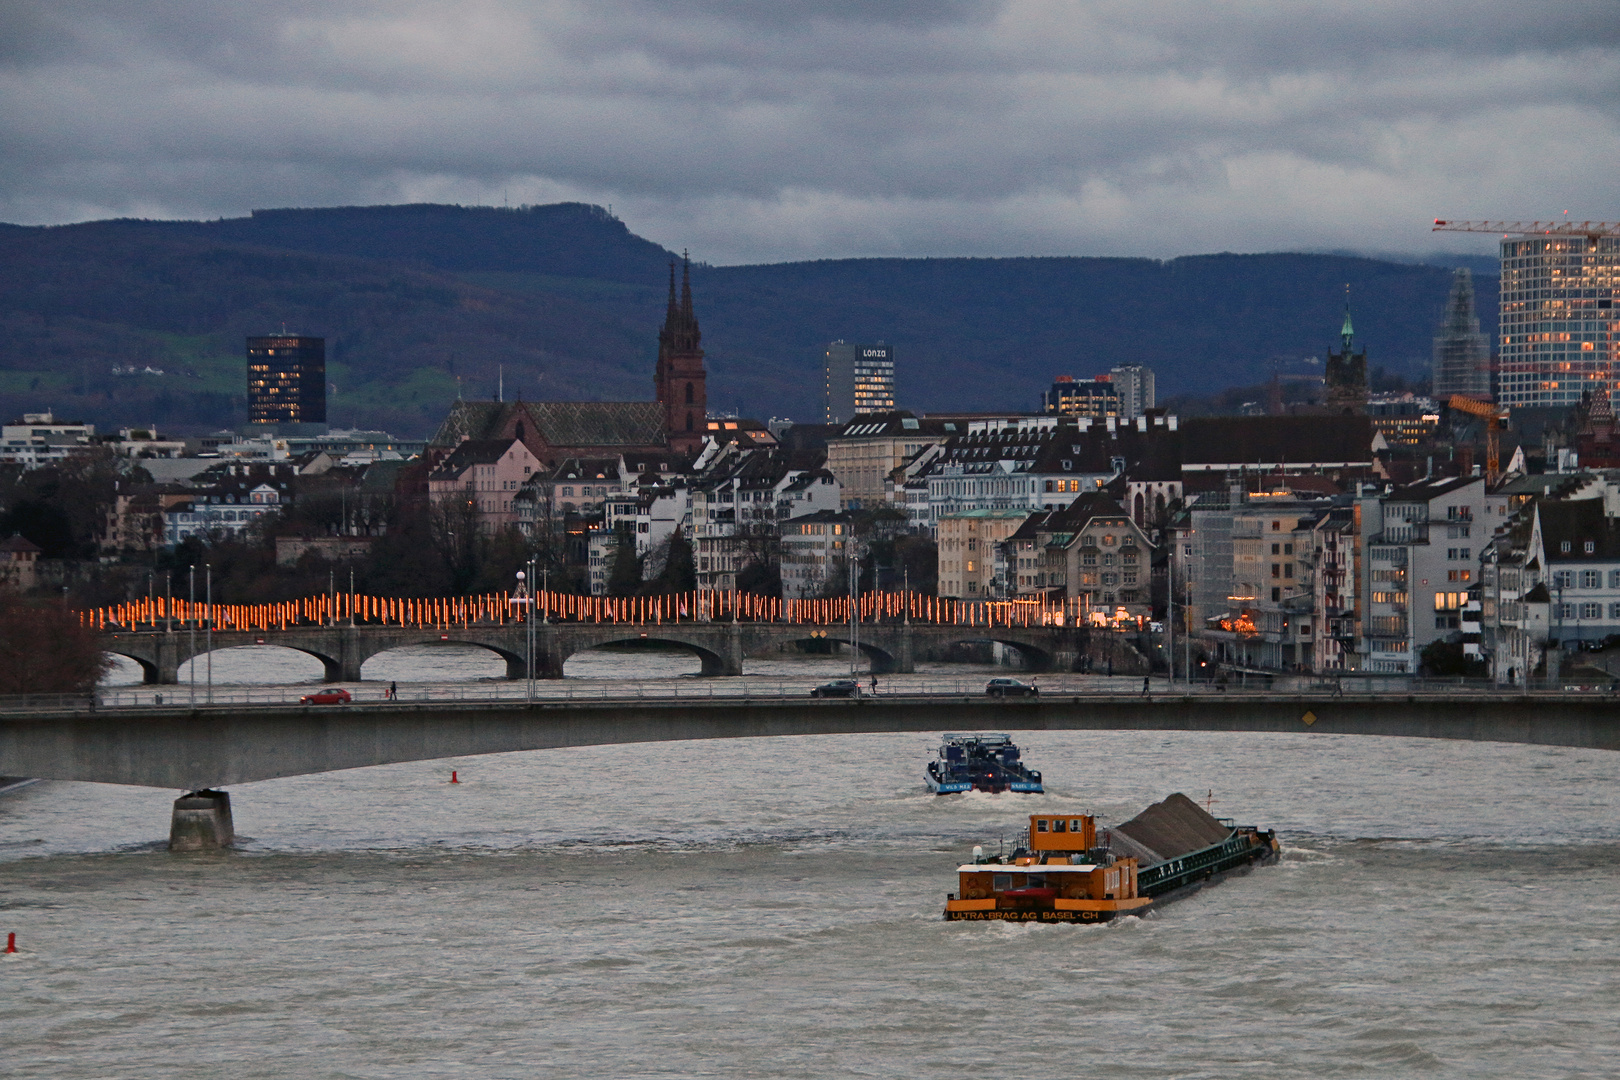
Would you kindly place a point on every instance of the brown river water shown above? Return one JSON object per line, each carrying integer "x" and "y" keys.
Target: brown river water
{"x": 771, "y": 908}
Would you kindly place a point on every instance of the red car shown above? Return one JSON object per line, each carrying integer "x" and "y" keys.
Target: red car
{"x": 326, "y": 697}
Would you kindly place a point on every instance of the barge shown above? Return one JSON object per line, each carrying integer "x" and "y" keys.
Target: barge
{"x": 982, "y": 762}
{"x": 1064, "y": 871}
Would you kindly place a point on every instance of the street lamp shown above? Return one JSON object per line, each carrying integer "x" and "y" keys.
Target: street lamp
{"x": 191, "y": 611}
{"x": 523, "y": 598}
{"x": 208, "y": 579}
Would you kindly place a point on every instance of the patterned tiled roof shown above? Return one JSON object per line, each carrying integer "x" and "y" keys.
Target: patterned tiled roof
{"x": 599, "y": 423}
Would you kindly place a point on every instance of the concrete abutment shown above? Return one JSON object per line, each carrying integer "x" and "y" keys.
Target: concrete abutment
{"x": 202, "y": 822}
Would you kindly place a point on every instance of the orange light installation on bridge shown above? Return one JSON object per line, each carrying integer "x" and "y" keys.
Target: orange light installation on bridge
{"x": 444, "y": 613}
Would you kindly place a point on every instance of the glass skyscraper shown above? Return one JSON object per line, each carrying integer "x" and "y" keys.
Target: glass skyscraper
{"x": 1560, "y": 334}
{"x": 286, "y": 380}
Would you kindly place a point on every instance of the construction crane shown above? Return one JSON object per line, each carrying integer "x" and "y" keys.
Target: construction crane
{"x": 1493, "y": 416}
{"x": 1589, "y": 229}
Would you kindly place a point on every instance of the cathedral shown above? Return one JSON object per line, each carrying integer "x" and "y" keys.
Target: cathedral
{"x": 674, "y": 424}
{"x": 678, "y": 379}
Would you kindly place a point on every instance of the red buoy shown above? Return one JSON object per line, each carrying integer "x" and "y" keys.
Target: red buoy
{"x": 453, "y": 779}
{"x": 11, "y": 943}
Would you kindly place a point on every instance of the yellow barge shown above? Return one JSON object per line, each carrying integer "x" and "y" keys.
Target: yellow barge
{"x": 1061, "y": 873}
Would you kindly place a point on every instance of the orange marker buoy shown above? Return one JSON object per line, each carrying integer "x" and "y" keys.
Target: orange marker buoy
{"x": 11, "y": 943}
{"x": 453, "y": 779}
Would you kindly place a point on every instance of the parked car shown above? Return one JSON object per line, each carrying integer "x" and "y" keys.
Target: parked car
{"x": 338, "y": 696}
{"x": 1010, "y": 688}
{"x": 838, "y": 688}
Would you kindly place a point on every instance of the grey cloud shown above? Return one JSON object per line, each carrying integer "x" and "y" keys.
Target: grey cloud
{"x": 756, "y": 131}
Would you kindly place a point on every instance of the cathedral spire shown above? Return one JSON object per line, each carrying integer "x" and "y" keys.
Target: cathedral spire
{"x": 680, "y": 378}
{"x": 1348, "y": 332}
{"x": 686, "y": 288}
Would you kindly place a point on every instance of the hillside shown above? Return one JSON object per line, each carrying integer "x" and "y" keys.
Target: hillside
{"x": 567, "y": 301}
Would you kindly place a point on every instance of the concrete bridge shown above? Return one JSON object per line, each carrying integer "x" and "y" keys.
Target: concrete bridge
{"x": 721, "y": 646}
{"x": 200, "y": 749}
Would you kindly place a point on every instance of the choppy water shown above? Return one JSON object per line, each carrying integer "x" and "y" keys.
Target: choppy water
{"x": 770, "y": 908}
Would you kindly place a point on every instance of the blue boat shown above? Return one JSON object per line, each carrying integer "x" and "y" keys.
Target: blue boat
{"x": 981, "y": 762}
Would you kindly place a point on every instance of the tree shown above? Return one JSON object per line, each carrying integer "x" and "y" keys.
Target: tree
{"x": 1446, "y": 660}
{"x": 44, "y": 649}
{"x": 680, "y": 565}
{"x": 625, "y": 577}
{"x": 63, "y": 507}
{"x": 759, "y": 553}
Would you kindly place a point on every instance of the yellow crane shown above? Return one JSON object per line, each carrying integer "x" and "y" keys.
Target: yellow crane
{"x": 1493, "y": 415}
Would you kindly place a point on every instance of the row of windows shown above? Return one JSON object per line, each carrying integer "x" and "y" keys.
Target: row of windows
{"x": 1584, "y": 611}
{"x": 1586, "y": 579}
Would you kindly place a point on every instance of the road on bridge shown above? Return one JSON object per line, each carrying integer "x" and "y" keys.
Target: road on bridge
{"x": 211, "y": 746}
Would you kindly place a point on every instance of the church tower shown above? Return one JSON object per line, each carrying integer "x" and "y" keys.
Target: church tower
{"x": 679, "y": 379}
{"x": 1346, "y": 375}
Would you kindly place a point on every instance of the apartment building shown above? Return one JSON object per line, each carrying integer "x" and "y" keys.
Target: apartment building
{"x": 972, "y": 564}
{"x": 1423, "y": 544}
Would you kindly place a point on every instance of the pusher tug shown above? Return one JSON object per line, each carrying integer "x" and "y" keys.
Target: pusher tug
{"x": 981, "y": 762}
{"x": 1061, "y": 873}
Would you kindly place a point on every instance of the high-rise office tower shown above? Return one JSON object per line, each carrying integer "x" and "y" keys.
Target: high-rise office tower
{"x": 860, "y": 379}
{"x": 1095, "y": 398}
{"x": 1134, "y": 385}
{"x": 286, "y": 380}
{"x": 1560, "y": 328}
{"x": 1462, "y": 356}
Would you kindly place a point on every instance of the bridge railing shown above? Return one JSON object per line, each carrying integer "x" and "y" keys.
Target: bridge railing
{"x": 170, "y": 697}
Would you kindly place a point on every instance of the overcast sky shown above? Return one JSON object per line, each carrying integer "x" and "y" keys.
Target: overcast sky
{"x": 787, "y": 129}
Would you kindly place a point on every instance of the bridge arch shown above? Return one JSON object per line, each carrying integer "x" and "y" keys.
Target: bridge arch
{"x": 331, "y": 669}
{"x": 712, "y": 662}
{"x": 1035, "y": 657}
{"x": 151, "y": 674}
{"x": 880, "y": 657}
{"x": 516, "y": 668}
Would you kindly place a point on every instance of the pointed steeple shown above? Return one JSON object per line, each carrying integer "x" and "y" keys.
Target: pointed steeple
{"x": 679, "y": 380}
{"x": 1348, "y": 332}
{"x": 686, "y": 288}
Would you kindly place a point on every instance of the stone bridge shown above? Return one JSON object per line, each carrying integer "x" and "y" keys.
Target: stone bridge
{"x": 721, "y": 646}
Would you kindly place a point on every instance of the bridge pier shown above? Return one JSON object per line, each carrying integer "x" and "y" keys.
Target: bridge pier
{"x": 732, "y": 661}
{"x": 905, "y": 661}
{"x": 345, "y": 667}
{"x": 202, "y": 822}
{"x": 163, "y": 667}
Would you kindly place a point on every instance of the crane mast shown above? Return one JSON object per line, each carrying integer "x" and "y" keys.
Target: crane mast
{"x": 1493, "y": 415}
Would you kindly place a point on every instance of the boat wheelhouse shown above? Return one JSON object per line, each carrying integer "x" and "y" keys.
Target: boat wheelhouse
{"x": 1063, "y": 871}
{"x": 986, "y": 761}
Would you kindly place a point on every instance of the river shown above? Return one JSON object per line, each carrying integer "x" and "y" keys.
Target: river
{"x": 770, "y": 908}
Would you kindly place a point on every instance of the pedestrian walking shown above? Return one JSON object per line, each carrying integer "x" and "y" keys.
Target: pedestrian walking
{"x": 393, "y": 691}
{"x": 1144, "y": 686}
{"x": 874, "y": 684}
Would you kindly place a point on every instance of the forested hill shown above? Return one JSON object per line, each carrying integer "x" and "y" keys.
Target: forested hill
{"x": 418, "y": 302}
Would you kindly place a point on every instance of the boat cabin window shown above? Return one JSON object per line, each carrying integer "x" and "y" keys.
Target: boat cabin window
{"x": 1037, "y": 881}
{"x": 1001, "y": 882}
{"x": 1059, "y": 825}
{"x": 1040, "y": 825}
{"x": 1077, "y": 825}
